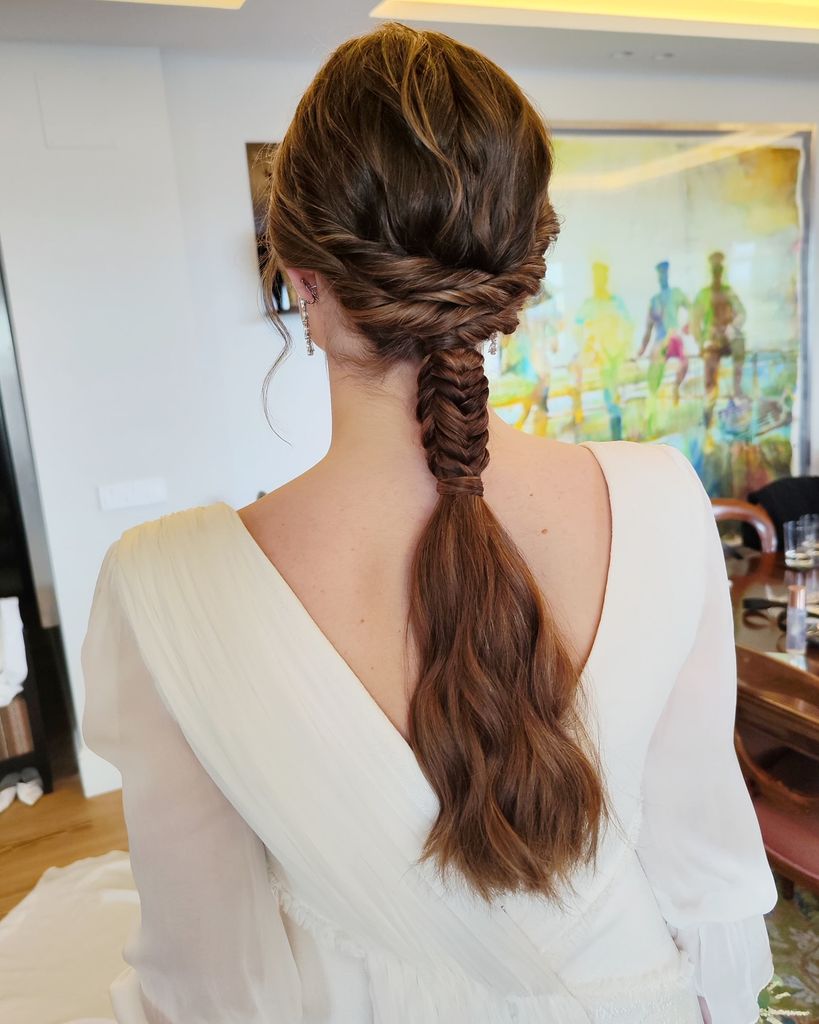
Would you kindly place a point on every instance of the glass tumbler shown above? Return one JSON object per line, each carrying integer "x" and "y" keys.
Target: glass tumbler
{"x": 810, "y": 533}
{"x": 797, "y": 554}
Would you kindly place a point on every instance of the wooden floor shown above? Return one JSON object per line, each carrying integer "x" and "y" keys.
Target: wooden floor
{"x": 61, "y": 827}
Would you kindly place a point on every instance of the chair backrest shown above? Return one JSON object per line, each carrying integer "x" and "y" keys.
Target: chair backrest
{"x": 734, "y": 510}
{"x": 787, "y": 498}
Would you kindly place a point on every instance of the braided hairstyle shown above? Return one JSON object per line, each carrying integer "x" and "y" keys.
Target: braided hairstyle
{"x": 413, "y": 179}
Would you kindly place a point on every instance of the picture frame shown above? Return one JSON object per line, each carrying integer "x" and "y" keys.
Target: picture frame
{"x": 259, "y": 156}
{"x": 675, "y": 303}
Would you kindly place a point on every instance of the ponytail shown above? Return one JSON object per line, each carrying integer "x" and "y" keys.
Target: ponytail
{"x": 493, "y": 718}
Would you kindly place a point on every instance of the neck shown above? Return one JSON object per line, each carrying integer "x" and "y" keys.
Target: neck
{"x": 375, "y": 430}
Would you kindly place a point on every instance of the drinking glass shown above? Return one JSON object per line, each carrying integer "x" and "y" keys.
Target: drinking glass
{"x": 797, "y": 553}
{"x": 810, "y": 532}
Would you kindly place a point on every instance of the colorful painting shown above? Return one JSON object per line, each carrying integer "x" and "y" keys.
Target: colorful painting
{"x": 674, "y": 303}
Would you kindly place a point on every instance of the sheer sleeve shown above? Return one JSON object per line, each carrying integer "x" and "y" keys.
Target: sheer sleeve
{"x": 211, "y": 946}
{"x": 700, "y": 844}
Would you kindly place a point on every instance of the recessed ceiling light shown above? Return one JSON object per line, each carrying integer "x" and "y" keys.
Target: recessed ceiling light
{"x": 621, "y": 54}
{"x": 756, "y": 17}
{"x": 664, "y": 56}
{"x": 225, "y": 5}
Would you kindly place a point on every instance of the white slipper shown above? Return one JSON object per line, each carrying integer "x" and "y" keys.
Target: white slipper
{"x": 30, "y": 786}
{"x": 8, "y": 789}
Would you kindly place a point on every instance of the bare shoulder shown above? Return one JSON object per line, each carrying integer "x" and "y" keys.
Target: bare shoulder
{"x": 556, "y": 480}
{"x": 276, "y": 511}
{"x": 257, "y": 512}
{"x": 553, "y": 498}
{"x": 330, "y": 515}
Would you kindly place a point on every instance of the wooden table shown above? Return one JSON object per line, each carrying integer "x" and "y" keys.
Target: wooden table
{"x": 777, "y": 693}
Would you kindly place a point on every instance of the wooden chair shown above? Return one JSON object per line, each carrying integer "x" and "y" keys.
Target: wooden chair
{"x": 779, "y": 778}
{"x": 732, "y": 510}
{"x": 784, "y": 784}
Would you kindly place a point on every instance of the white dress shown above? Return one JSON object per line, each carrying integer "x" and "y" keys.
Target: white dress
{"x": 276, "y": 815}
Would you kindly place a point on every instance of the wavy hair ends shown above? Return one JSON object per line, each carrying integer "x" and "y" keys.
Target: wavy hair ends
{"x": 414, "y": 180}
{"x": 494, "y": 718}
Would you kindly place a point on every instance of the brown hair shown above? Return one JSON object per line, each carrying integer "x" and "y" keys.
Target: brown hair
{"x": 413, "y": 179}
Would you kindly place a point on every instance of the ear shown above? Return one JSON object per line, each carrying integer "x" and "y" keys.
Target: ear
{"x": 305, "y": 283}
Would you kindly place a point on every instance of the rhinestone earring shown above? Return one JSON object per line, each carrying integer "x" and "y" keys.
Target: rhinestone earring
{"x": 305, "y": 319}
{"x": 305, "y": 322}
{"x": 493, "y": 343}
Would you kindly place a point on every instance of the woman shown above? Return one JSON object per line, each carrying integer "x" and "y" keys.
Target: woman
{"x": 422, "y": 736}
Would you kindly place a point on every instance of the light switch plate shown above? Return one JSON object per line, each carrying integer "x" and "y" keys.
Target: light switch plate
{"x": 132, "y": 493}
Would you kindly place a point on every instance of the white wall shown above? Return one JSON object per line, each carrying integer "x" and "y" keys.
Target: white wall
{"x": 126, "y": 225}
{"x": 215, "y": 107}
{"x": 113, "y": 376}
{"x": 140, "y": 345}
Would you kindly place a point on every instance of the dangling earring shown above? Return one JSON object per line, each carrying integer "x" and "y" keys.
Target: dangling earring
{"x": 493, "y": 343}
{"x": 305, "y": 322}
{"x": 305, "y": 319}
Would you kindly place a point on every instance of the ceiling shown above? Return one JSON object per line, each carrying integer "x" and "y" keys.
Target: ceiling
{"x": 785, "y": 20}
{"x": 307, "y": 29}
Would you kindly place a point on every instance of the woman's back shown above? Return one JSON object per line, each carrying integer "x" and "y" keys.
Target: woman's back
{"x": 343, "y": 535}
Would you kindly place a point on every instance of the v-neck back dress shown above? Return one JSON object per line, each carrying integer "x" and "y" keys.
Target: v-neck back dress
{"x": 276, "y": 816}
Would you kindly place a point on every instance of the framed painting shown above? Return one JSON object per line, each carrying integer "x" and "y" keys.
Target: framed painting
{"x": 259, "y": 157}
{"x": 674, "y": 306}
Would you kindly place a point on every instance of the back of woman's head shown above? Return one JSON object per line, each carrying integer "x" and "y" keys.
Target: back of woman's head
{"x": 413, "y": 181}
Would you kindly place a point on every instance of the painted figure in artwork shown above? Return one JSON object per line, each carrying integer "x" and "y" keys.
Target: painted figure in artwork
{"x": 527, "y": 359}
{"x": 604, "y": 331}
{"x": 666, "y": 324}
{"x": 518, "y": 383}
{"x": 717, "y": 322}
